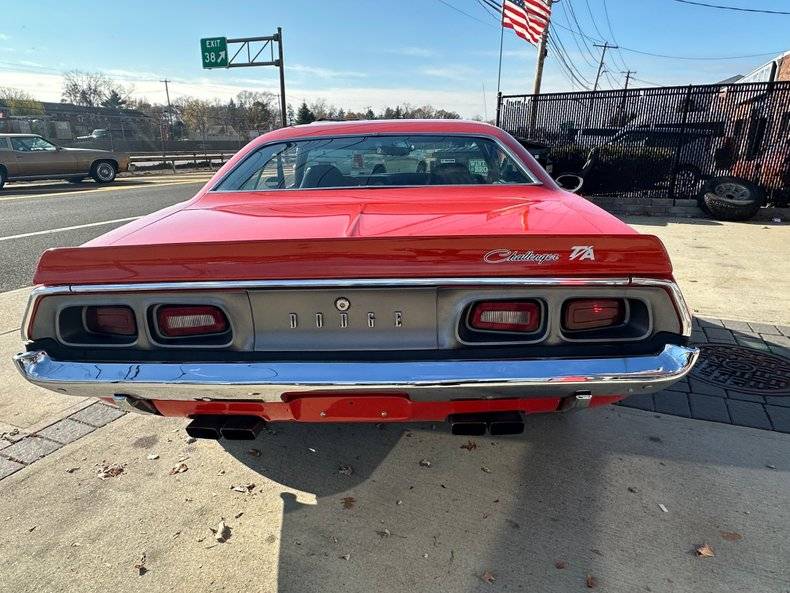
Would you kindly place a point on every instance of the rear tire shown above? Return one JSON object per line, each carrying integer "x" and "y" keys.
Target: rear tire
{"x": 731, "y": 198}
{"x": 2, "y": 177}
{"x": 103, "y": 171}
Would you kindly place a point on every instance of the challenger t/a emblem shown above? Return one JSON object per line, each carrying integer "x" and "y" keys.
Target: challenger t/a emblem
{"x": 501, "y": 256}
{"x": 582, "y": 252}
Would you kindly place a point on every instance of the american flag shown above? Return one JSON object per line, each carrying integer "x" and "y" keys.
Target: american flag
{"x": 527, "y": 18}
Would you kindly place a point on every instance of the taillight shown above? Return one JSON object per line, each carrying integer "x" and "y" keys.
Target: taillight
{"x": 110, "y": 320}
{"x": 178, "y": 321}
{"x": 586, "y": 314}
{"x": 506, "y": 316}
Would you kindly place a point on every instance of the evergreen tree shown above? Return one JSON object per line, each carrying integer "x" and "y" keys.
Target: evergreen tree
{"x": 304, "y": 115}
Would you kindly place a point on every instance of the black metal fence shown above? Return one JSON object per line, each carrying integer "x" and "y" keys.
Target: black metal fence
{"x": 661, "y": 142}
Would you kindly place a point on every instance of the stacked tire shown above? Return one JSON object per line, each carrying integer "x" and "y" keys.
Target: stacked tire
{"x": 731, "y": 198}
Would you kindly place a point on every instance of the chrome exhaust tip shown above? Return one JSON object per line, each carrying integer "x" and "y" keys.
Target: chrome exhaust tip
{"x": 205, "y": 426}
{"x": 467, "y": 425}
{"x": 506, "y": 423}
{"x": 242, "y": 428}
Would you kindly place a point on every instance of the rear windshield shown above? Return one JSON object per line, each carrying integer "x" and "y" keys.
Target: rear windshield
{"x": 370, "y": 161}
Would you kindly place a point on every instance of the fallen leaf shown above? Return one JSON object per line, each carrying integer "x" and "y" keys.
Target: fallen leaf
{"x": 488, "y": 577}
{"x": 311, "y": 449}
{"x": 384, "y": 533}
{"x": 222, "y": 532}
{"x": 254, "y": 452}
{"x": 591, "y": 582}
{"x": 237, "y": 515}
{"x": 560, "y": 564}
{"x": 731, "y": 536}
{"x": 108, "y": 471}
{"x": 486, "y": 470}
{"x": 31, "y": 529}
{"x": 425, "y": 463}
{"x": 152, "y": 456}
{"x": 469, "y": 445}
{"x": 345, "y": 556}
{"x": 348, "y": 502}
{"x": 178, "y": 469}
{"x": 243, "y": 488}
{"x": 770, "y": 466}
{"x": 221, "y": 472}
{"x": 704, "y": 551}
{"x": 398, "y": 502}
{"x": 71, "y": 470}
{"x": 633, "y": 490}
{"x": 139, "y": 566}
{"x": 425, "y": 556}
{"x": 345, "y": 470}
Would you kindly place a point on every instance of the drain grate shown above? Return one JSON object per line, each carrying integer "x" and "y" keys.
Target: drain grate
{"x": 743, "y": 369}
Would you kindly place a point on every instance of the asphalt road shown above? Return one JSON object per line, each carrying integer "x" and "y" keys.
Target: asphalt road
{"x": 36, "y": 217}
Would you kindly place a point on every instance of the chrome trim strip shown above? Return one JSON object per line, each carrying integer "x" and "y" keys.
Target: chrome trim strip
{"x": 337, "y": 283}
{"x": 677, "y": 297}
{"x": 438, "y": 380}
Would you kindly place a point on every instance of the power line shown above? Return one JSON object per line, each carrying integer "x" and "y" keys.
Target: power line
{"x": 619, "y": 54}
{"x": 592, "y": 19}
{"x": 463, "y": 12}
{"x": 735, "y": 8}
{"x": 487, "y": 7}
{"x": 567, "y": 8}
{"x": 671, "y": 57}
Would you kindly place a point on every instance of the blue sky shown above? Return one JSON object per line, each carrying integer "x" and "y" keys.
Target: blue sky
{"x": 370, "y": 53}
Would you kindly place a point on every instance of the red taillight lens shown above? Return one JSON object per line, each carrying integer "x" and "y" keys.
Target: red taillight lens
{"x": 506, "y": 316}
{"x": 584, "y": 314}
{"x": 118, "y": 321}
{"x": 180, "y": 321}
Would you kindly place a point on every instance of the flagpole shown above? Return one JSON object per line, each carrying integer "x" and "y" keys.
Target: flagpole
{"x": 501, "y": 40}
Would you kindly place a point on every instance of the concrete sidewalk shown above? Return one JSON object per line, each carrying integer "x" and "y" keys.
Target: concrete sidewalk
{"x": 582, "y": 492}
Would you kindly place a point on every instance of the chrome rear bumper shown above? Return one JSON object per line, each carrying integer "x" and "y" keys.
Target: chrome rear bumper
{"x": 420, "y": 380}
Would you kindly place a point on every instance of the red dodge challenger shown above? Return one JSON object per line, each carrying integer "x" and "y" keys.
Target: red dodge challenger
{"x": 371, "y": 271}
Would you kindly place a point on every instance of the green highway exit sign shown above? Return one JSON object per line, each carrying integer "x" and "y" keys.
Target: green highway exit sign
{"x": 214, "y": 51}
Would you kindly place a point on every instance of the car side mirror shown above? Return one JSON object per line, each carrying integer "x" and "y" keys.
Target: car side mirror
{"x": 570, "y": 182}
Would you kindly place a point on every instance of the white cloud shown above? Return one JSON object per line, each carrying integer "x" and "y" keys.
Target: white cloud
{"x": 451, "y": 72}
{"x": 323, "y": 72}
{"x": 4, "y": 37}
{"x": 411, "y": 51}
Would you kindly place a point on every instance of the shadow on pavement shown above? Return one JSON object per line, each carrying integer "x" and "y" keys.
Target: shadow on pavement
{"x": 577, "y": 496}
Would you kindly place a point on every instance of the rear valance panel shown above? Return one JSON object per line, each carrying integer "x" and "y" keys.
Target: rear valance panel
{"x": 386, "y": 257}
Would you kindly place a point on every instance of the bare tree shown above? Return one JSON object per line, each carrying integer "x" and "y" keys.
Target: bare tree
{"x": 19, "y": 102}
{"x": 91, "y": 89}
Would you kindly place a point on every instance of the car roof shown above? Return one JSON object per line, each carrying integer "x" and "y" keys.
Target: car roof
{"x": 382, "y": 126}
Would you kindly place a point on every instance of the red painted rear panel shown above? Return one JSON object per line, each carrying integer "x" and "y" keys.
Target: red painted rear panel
{"x": 396, "y": 257}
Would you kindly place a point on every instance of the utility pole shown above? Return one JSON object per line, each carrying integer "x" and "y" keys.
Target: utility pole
{"x": 169, "y": 108}
{"x": 541, "y": 53}
{"x": 544, "y": 39}
{"x": 169, "y": 124}
{"x": 603, "y": 47}
{"x": 628, "y": 74}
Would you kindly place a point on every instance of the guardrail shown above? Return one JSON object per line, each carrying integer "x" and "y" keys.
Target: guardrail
{"x": 199, "y": 158}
